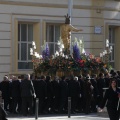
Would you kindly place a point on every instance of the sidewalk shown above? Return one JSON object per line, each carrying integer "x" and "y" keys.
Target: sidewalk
{"x": 61, "y": 117}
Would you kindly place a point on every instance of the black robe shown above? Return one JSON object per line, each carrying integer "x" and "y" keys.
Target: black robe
{"x": 111, "y": 100}
{"x": 2, "y": 114}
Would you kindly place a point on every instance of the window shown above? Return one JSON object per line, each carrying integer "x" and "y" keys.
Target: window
{"x": 112, "y": 43}
{"x": 25, "y": 38}
{"x": 52, "y": 36}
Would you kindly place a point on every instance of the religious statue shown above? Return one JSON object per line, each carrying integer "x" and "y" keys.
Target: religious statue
{"x": 66, "y": 30}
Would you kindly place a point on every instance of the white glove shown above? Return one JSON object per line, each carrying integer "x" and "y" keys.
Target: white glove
{"x": 99, "y": 109}
{"x": 91, "y": 87}
{"x": 34, "y": 95}
{"x": 80, "y": 95}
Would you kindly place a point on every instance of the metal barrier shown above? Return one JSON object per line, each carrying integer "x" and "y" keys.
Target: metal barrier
{"x": 69, "y": 107}
{"x": 36, "y": 108}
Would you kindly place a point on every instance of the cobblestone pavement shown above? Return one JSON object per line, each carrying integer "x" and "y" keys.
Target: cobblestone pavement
{"x": 62, "y": 117}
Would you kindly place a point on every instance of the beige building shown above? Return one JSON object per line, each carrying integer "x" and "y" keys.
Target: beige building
{"x": 22, "y": 21}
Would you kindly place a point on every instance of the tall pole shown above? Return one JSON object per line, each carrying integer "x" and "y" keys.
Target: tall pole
{"x": 70, "y": 7}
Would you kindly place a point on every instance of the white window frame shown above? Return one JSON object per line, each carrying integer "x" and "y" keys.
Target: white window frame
{"x": 112, "y": 43}
{"x": 27, "y": 42}
{"x": 47, "y": 34}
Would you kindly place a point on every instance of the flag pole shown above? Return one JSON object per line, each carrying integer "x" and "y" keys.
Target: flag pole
{"x": 70, "y": 8}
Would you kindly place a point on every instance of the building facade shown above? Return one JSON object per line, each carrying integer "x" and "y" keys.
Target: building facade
{"x": 22, "y": 21}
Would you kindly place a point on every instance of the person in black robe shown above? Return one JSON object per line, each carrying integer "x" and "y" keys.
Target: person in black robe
{"x": 56, "y": 93}
{"x": 101, "y": 84}
{"x": 81, "y": 98}
{"x": 94, "y": 94}
{"x": 5, "y": 88}
{"x": 73, "y": 92}
{"x": 48, "y": 102}
{"x": 2, "y": 114}
{"x": 15, "y": 95}
{"x": 27, "y": 94}
{"x": 63, "y": 94}
{"x": 112, "y": 98}
{"x": 88, "y": 91}
{"x": 41, "y": 92}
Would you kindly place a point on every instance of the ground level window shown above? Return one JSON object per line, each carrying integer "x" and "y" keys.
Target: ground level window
{"x": 52, "y": 35}
{"x": 25, "y": 38}
{"x": 112, "y": 43}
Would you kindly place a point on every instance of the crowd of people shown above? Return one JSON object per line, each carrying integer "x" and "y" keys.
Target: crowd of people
{"x": 20, "y": 92}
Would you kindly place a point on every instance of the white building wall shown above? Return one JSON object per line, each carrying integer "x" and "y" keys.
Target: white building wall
{"x": 76, "y": 2}
{"x": 33, "y": 10}
{"x": 112, "y": 18}
{"x": 9, "y": 12}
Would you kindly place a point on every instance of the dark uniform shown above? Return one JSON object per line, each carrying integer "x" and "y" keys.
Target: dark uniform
{"x": 27, "y": 92}
{"x": 73, "y": 92}
{"x": 94, "y": 96}
{"x": 48, "y": 103}
{"x": 101, "y": 83}
{"x": 5, "y": 88}
{"x": 56, "y": 93}
{"x": 41, "y": 92}
{"x": 16, "y": 96}
{"x": 107, "y": 80}
{"x": 81, "y": 98}
{"x": 88, "y": 91}
{"x": 63, "y": 94}
{"x": 111, "y": 97}
{"x": 2, "y": 114}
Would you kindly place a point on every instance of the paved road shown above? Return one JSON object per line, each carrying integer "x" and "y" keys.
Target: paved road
{"x": 78, "y": 117}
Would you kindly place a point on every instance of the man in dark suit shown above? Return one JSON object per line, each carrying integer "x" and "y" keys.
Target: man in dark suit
{"x": 15, "y": 94}
{"x": 107, "y": 80}
{"x": 63, "y": 94}
{"x": 100, "y": 84}
{"x": 56, "y": 93}
{"x": 73, "y": 92}
{"x": 95, "y": 93}
{"x": 88, "y": 91}
{"x": 81, "y": 97}
{"x": 2, "y": 114}
{"x": 5, "y": 88}
{"x": 48, "y": 103}
{"x": 41, "y": 91}
{"x": 27, "y": 93}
